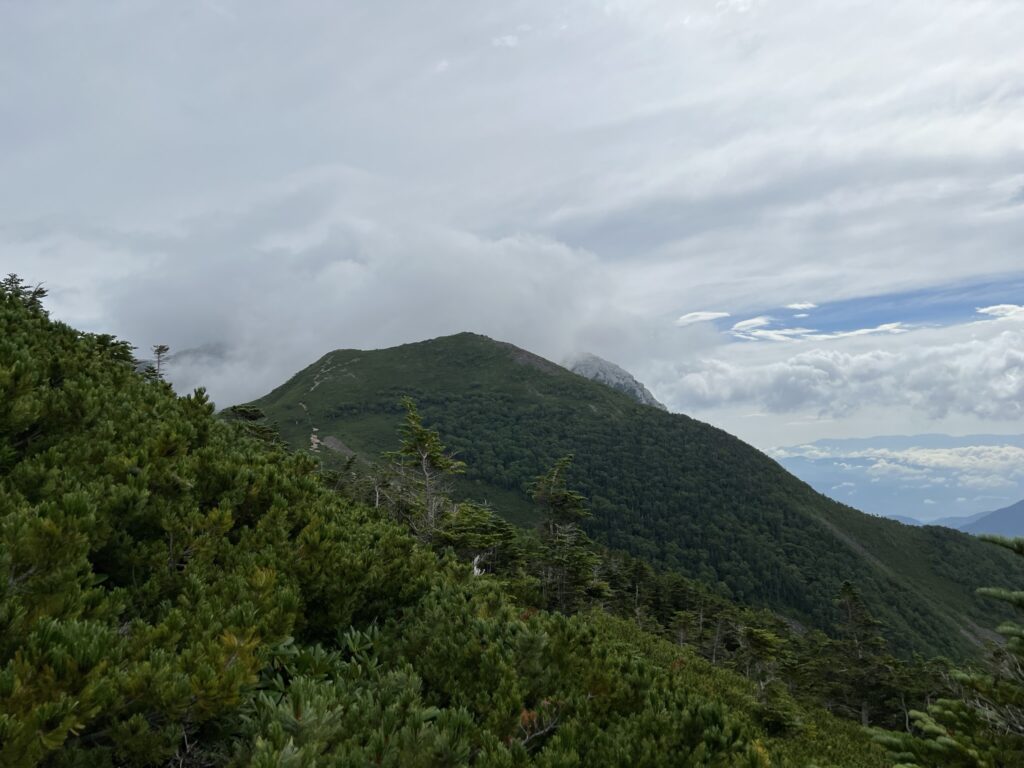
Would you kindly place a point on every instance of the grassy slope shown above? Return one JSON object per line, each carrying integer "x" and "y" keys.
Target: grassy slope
{"x": 664, "y": 486}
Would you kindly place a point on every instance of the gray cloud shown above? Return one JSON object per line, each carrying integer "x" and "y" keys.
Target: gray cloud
{"x": 281, "y": 180}
{"x": 302, "y": 289}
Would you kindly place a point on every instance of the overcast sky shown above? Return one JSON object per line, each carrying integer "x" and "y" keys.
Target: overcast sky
{"x": 797, "y": 220}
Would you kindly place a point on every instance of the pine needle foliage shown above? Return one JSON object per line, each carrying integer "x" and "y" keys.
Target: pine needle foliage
{"x": 983, "y": 725}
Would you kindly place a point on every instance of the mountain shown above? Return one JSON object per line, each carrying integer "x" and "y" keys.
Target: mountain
{"x": 959, "y": 522}
{"x": 177, "y": 589}
{"x": 604, "y": 372}
{"x": 1008, "y": 521}
{"x": 905, "y": 520}
{"x": 679, "y": 493}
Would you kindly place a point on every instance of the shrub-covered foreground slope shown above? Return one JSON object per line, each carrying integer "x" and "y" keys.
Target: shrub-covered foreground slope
{"x": 677, "y": 492}
{"x": 174, "y": 591}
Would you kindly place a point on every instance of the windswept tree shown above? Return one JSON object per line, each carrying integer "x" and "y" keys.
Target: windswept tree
{"x": 424, "y": 470}
{"x": 31, "y": 296}
{"x": 160, "y": 357}
{"x": 153, "y": 370}
{"x": 569, "y": 560}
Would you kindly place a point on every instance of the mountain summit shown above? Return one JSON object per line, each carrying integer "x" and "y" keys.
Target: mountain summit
{"x": 605, "y": 372}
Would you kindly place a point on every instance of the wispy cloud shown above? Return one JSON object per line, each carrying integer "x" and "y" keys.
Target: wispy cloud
{"x": 773, "y": 334}
{"x": 756, "y": 329}
{"x": 699, "y": 317}
{"x": 803, "y": 305}
{"x": 1002, "y": 310}
{"x": 752, "y": 323}
{"x": 885, "y": 328}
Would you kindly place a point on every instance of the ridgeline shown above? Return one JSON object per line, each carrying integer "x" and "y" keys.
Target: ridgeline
{"x": 671, "y": 490}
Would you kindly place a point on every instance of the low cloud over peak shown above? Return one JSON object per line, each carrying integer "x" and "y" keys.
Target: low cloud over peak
{"x": 654, "y": 182}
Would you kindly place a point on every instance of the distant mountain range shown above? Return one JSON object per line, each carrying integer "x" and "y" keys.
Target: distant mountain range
{"x": 958, "y": 522}
{"x": 679, "y": 493}
{"x": 1008, "y": 521}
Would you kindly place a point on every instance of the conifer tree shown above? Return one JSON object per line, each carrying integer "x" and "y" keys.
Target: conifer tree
{"x": 159, "y": 355}
{"x": 13, "y": 288}
{"x": 569, "y": 561}
{"x": 425, "y": 470}
{"x": 861, "y": 668}
{"x": 982, "y": 726}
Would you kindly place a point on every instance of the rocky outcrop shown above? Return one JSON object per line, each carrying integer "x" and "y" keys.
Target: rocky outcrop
{"x": 600, "y": 370}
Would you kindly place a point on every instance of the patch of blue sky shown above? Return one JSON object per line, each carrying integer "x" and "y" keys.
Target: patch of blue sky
{"x": 946, "y": 305}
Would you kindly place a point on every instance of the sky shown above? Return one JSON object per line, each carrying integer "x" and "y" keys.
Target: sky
{"x": 797, "y": 220}
{"x": 920, "y": 477}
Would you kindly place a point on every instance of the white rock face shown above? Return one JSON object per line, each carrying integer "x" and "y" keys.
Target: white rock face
{"x": 600, "y": 370}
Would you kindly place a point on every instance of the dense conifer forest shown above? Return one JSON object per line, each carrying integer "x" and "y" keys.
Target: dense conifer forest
{"x": 180, "y": 589}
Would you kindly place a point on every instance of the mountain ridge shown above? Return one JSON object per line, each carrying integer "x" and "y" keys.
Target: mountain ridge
{"x": 682, "y": 494}
{"x": 1008, "y": 521}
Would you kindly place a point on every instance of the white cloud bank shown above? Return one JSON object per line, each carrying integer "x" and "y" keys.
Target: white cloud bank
{"x": 978, "y": 468}
{"x": 975, "y": 369}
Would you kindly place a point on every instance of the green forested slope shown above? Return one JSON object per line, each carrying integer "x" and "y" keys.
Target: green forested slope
{"x": 175, "y": 591}
{"x": 677, "y": 492}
